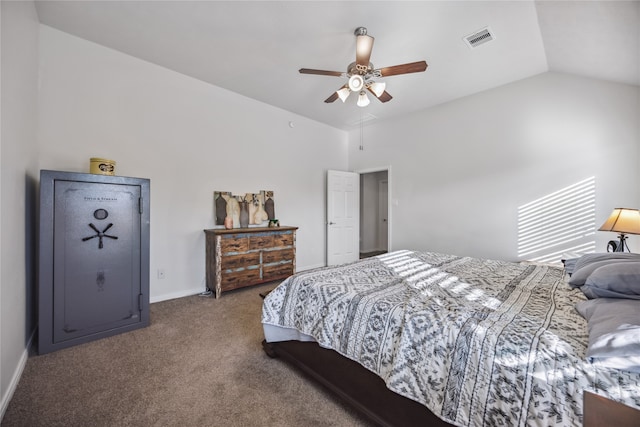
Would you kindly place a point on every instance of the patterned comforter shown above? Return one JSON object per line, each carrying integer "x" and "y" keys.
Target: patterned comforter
{"x": 479, "y": 342}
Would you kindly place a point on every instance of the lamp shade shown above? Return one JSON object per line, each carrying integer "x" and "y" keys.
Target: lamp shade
{"x": 363, "y": 100}
{"x": 378, "y": 88}
{"x": 623, "y": 220}
{"x": 343, "y": 93}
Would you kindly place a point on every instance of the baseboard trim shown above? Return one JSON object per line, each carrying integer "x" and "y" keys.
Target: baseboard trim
{"x": 190, "y": 292}
{"x": 16, "y": 376}
{"x": 174, "y": 295}
{"x": 309, "y": 267}
{"x": 364, "y": 251}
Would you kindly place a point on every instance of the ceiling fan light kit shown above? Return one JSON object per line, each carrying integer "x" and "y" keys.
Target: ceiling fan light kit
{"x": 377, "y": 88}
{"x": 361, "y": 74}
{"x": 356, "y": 82}
{"x": 343, "y": 93}
{"x": 363, "y": 99}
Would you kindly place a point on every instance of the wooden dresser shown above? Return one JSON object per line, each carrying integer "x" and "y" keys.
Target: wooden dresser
{"x": 248, "y": 256}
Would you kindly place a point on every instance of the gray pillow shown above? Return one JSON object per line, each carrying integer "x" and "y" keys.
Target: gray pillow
{"x": 587, "y": 263}
{"x": 615, "y": 280}
{"x": 614, "y": 332}
{"x": 570, "y": 265}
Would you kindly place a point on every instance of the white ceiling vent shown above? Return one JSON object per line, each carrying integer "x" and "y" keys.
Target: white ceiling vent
{"x": 479, "y": 37}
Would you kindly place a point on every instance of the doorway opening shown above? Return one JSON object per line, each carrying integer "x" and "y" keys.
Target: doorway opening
{"x": 374, "y": 212}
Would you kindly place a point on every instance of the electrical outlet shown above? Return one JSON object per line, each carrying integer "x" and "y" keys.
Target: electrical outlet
{"x": 161, "y": 273}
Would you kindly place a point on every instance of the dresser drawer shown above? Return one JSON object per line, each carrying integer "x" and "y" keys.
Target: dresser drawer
{"x": 278, "y": 271}
{"x": 283, "y": 239}
{"x": 231, "y": 262}
{"x": 277, "y": 256}
{"x": 259, "y": 242}
{"x": 234, "y": 244}
{"x": 239, "y": 279}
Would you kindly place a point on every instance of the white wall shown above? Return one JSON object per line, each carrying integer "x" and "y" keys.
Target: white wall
{"x": 18, "y": 157}
{"x": 462, "y": 169}
{"x": 189, "y": 138}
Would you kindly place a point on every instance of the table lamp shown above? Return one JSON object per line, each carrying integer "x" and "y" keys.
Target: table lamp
{"x": 622, "y": 221}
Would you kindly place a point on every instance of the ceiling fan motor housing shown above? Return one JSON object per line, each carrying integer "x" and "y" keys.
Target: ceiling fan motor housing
{"x": 360, "y": 31}
{"x": 363, "y": 70}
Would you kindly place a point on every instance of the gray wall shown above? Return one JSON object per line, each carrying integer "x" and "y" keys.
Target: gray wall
{"x": 461, "y": 170}
{"x": 190, "y": 139}
{"x": 18, "y": 182}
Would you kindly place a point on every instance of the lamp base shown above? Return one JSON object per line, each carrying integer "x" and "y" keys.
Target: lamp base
{"x": 622, "y": 244}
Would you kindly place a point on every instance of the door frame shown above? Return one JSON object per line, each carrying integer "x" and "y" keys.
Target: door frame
{"x": 389, "y": 198}
{"x": 384, "y": 212}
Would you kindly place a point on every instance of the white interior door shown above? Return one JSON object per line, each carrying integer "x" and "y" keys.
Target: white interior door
{"x": 383, "y": 215}
{"x": 343, "y": 217}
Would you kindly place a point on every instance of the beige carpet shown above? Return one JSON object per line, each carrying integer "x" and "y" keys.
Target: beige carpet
{"x": 199, "y": 363}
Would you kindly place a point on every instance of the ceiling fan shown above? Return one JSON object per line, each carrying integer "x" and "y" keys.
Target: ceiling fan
{"x": 361, "y": 73}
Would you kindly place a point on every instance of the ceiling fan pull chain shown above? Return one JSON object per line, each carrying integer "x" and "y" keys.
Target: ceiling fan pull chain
{"x": 361, "y": 132}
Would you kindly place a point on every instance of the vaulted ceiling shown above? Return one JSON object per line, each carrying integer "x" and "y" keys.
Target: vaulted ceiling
{"x": 256, "y": 48}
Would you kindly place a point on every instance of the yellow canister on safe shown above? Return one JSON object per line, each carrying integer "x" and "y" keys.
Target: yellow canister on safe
{"x": 100, "y": 166}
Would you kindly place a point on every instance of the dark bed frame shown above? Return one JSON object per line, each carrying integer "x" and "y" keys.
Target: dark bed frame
{"x": 354, "y": 384}
{"x": 368, "y": 394}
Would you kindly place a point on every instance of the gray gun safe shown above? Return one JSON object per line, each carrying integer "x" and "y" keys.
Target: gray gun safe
{"x": 93, "y": 257}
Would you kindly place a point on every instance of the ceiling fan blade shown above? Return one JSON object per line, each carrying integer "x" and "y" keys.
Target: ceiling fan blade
{"x": 364, "y": 45}
{"x": 332, "y": 98}
{"x": 412, "y": 67}
{"x": 320, "y": 72}
{"x": 384, "y": 97}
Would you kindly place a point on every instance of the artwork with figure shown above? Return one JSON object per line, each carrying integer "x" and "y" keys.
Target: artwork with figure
{"x": 268, "y": 205}
{"x": 242, "y": 211}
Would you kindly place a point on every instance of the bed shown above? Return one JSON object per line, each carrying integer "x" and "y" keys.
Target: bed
{"x": 421, "y": 338}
